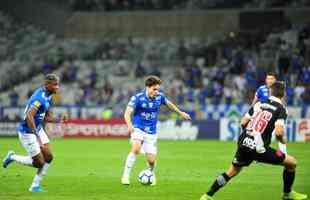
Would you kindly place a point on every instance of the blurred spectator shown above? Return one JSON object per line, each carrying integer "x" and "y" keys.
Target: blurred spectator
{"x": 14, "y": 98}
{"x": 140, "y": 71}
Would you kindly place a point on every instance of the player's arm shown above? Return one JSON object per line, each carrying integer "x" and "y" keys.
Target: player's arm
{"x": 127, "y": 116}
{"x": 255, "y": 100}
{"x": 280, "y": 130}
{"x": 49, "y": 117}
{"x": 246, "y": 118}
{"x": 173, "y": 107}
{"x": 30, "y": 118}
{"x": 280, "y": 126}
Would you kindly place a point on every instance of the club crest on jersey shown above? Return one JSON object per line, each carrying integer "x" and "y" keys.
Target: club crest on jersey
{"x": 143, "y": 105}
{"x": 150, "y": 105}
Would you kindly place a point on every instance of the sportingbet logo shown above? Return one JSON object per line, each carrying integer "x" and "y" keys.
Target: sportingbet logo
{"x": 249, "y": 142}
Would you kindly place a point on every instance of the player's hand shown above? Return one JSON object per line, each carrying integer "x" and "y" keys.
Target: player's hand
{"x": 64, "y": 118}
{"x": 185, "y": 116}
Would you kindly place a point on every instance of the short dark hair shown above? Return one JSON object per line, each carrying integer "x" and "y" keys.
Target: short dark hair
{"x": 152, "y": 80}
{"x": 51, "y": 77}
{"x": 271, "y": 73}
{"x": 278, "y": 89}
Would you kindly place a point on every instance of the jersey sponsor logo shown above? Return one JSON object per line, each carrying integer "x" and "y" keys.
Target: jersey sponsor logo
{"x": 249, "y": 142}
{"x": 37, "y": 104}
{"x": 148, "y": 116}
{"x": 268, "y": 106}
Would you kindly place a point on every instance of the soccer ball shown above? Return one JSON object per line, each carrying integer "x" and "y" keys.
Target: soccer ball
{"x": 146, "y": 177}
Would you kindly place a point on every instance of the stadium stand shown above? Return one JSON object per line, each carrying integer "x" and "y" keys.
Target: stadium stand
{"x": 199, "y": 74}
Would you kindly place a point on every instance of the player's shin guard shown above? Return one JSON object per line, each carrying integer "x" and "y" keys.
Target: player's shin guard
{"x": 130, "y": 161}
{"x": 39, "y": 176}
{"x": 220, "y": 181}
{"x": 288, "y": 180}
{"x": 24, "y": 160}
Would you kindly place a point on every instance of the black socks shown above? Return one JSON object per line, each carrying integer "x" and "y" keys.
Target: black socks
{"x": 220, "y": 181}
{"x": 288, "y": 180}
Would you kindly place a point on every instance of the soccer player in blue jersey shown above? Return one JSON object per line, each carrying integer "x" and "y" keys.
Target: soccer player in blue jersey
{"x": 144, "y": 107}
{"x": 32, "y": 135}
{"x": 262, "y": 93}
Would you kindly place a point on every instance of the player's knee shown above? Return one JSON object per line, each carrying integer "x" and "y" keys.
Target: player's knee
{"x": 38, "y": 163}
{"x": 293, "y": 163}
{"x": 48, "y": 158}
{"x": 135, "y": 150}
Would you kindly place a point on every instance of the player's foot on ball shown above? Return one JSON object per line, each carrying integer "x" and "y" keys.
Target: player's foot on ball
{"x": 206, "y": 197}
{"x": 8, "y": 159}
{"x": 36, "y": 189}
{"x": 294, "y": 195}
{"x": 154, "y": 180}
{"x": 125, "y": 180}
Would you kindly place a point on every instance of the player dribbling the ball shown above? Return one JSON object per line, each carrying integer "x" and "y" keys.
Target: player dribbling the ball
{"x": 141, "y": 116}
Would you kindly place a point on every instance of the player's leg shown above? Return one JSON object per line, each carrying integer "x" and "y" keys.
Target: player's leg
{"x": 276, "y": 157}
{"x": 130, "y": 160}
{"x": 136, "y": 142}
{"x": 151, "y": 160}
{"x": 47, "y": 156}
{"x": 290, "y": 165}
{"x": 242, "y": 158}
{"x": 34, "y": 158}
{"x": 150, "y": 148}
{"x": 221, "y": 181}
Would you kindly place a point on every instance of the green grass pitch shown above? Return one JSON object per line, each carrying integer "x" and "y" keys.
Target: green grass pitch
{"x": 91, "y": 170}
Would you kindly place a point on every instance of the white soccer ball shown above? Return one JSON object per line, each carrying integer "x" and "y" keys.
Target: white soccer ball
{"x": 146, "y": 177}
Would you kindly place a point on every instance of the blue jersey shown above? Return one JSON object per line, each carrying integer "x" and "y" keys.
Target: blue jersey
{"x": 146, "y": 111}
{"x": 262, "y": 93}
{"x": 42, "y": 101}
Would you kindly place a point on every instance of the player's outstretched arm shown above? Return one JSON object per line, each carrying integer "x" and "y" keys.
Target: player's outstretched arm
{"x": 173, "y": 107}
{"x": 127, "y": 116}
{"x": 49, "y": 117}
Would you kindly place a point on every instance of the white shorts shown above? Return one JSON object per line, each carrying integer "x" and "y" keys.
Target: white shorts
{"x": 32, "y": 142}
{"x": 149, "y": 141}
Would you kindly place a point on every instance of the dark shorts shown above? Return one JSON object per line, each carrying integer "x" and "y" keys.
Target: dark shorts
{"x": 245, "y": 156}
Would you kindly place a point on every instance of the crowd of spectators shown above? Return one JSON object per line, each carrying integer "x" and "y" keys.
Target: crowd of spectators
{"x": 23, "y": 50}
{"x": 129, "y": 5}
{"x": 196, "y": 72}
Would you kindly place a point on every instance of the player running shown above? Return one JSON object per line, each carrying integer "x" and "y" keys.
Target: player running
{"x": 32, "y": 135}
{"x": 145, "y": 106}
{"x": 262, "y": 118}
